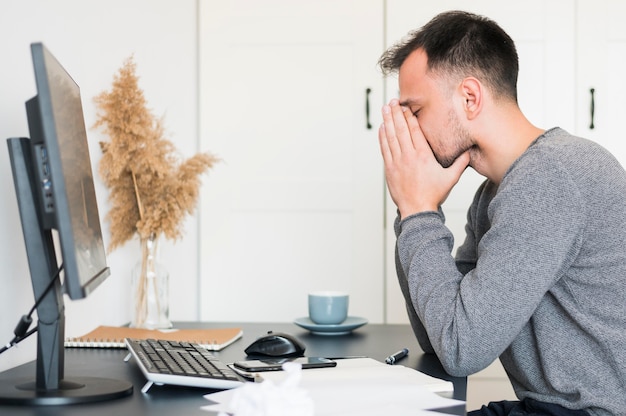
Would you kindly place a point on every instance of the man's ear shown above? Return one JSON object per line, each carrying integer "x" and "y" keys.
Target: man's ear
{"x": 472, "y": 93}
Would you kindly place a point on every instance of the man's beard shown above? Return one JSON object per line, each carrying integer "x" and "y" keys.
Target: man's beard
{"x": 461, "y": 144}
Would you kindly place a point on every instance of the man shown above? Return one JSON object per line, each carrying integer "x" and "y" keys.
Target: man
{"x": 540, "y": 280}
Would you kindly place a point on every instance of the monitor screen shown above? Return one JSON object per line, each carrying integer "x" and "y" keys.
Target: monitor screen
{"x": 59, "y": 140}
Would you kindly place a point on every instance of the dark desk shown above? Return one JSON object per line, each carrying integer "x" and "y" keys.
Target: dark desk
{"x": 373, "y": 340}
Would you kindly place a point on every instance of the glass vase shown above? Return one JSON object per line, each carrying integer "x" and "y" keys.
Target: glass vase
{"x": 150, "y": 289}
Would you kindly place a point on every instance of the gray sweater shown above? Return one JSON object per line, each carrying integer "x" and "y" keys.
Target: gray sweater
{"x": 540, "y": 280}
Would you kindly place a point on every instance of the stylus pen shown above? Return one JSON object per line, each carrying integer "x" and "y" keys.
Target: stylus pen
{"x": 393, "y": 358}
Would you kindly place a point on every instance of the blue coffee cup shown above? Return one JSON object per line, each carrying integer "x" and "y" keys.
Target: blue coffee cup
{"x": 328, "y": 307}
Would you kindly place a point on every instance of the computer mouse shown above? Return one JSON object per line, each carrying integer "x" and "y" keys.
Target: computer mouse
{"x": 276, "y": 344}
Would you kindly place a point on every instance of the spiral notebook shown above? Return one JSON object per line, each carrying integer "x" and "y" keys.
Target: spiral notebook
{"x": 213, "y": 339}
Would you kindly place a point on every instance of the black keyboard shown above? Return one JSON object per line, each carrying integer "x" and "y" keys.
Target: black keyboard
{"x": 180, "y": 363}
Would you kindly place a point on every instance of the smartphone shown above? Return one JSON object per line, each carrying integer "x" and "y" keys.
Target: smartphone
{"x": 276, "y": 364}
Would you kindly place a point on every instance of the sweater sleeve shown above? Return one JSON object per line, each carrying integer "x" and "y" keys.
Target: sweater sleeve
{"x": 471, "y": 318}
{"x": 476, "y": 225}
{"x": 414, "y": 320}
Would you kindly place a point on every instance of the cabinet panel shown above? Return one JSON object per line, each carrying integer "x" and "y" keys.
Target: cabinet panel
{"x": 601, "y": 38}
{"x": 296, "y": 205}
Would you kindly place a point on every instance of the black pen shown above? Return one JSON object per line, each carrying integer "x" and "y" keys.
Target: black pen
{"x": 397, "y": 356}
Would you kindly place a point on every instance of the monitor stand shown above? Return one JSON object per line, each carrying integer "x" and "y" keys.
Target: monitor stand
{"x": 76, "y": 390}
{"x": 49, "y": 387}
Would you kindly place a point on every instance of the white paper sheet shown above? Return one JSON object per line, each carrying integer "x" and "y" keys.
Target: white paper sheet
{"x": 360, "y": 387}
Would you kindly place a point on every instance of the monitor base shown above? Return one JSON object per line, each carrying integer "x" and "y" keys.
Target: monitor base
{"x": 76, "y": 390}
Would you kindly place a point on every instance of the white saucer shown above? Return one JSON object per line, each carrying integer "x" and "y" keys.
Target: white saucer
{"x": 351, "y": 323}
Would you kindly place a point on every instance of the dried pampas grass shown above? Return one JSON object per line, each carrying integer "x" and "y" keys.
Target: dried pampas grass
{"x": 151, "y": 189}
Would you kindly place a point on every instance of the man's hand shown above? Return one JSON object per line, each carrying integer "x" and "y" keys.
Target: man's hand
{"x": 416, "y": 181}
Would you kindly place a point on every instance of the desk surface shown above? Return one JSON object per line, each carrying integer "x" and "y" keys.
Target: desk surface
{"x": 373, "y": 340}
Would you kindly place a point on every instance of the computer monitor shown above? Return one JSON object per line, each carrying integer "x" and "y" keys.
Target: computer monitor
{"x": 59, "y": 215}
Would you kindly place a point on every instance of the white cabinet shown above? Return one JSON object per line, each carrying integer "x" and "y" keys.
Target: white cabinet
{"x": 297, "y": 202}
{"x": 601, "y": 59}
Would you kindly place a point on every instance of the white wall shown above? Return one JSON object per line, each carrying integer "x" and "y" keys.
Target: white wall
{"x": 92, "y": 40}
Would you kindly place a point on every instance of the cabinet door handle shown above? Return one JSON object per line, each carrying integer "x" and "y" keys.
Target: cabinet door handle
{"x": 593, "y": 107}
{"x": 368, "y": 125}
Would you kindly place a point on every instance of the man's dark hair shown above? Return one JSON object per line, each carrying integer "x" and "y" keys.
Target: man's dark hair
{"x": 462, "y": 44}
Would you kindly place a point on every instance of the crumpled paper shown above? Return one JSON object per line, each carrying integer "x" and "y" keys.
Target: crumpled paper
{"x": 271, "y": 399}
